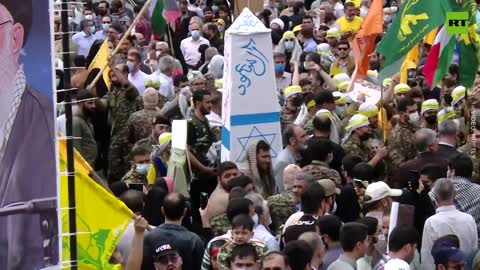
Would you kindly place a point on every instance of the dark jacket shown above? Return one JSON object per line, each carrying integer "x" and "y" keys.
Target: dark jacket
{"x": 423, "y": 209}
{"x": 217, "y": 43}
{"x": 402, "y": 176}
{"x": 338, "y": 155}
{"x": 447, "y": 151}
{"x": 188, "y": 244}
{"x": 348, "y": 208}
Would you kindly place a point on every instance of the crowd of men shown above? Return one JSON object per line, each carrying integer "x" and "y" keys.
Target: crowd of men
{"x": 325, "y": 201}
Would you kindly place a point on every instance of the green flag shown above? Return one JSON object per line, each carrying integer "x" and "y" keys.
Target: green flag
{"x": 468, "y": 47}
{"x": 159, "y": 24}
{"x": 414, "y": 21}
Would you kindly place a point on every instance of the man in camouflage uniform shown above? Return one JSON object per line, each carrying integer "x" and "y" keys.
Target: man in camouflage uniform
{"x": 282, "y": 205}
{"x": 401, "y": 142}
{"x": 371, "y": 111}
{"x": 215, "y": 116}
{"x": 220, "y": 224}
{"x": 159, "y": 126}
{"x": 320, "y": 150}
{"x": 121, "y": 102}
{"x": 199, "y": 135}
{"x": 358, "y": 132}
{"x": 354, "y": 142}
{"x": 140, "y": 123}
{"x": 199, "y": 141}
{"x": 474, "y": 140}
{"x": 139, "y": 169}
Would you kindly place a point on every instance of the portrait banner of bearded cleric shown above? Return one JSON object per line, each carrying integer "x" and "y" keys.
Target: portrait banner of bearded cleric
{"x": 28, "y": 239}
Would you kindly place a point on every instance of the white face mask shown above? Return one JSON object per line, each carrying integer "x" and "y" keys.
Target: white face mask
{"x": 394, "y": 9}
{"x": 88, "y": 17}
{"x": 381, "y": 237}
{"x": 289, "y": 45}
{"x": 387, "y": 18}
{"x": 334, "y": 209}
{"x": 142, "y": 168}
{"x": 130, "y": 66}
{"x": 195, "y": 34}
{"x": 70, "y": 20}
{"x": 414, "y": 117}
{"x": 106, "y": 26}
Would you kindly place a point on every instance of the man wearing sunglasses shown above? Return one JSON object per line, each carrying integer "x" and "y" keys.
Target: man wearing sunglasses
{"x": 167, "y": 258}
{"x": 344, "y": 62}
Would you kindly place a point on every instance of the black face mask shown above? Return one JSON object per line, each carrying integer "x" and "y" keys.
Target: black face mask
{"x": 374, "y": 65}
{"x": 297, "y": 101}
{"x": 431, "y": 119}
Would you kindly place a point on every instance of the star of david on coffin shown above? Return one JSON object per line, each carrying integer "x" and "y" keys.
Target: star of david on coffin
{"x": 256, "y": 135}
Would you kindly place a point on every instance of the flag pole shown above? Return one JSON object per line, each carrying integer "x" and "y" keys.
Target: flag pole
{"x": 169, "y": 31}
{"x": 124, "y": 37}
{"x": 72, "y": 218}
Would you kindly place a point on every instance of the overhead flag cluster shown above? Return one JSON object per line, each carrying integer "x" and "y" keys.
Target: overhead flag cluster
{"x": 415, "y": 20}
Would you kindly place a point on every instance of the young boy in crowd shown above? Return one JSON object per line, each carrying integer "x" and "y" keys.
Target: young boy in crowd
{"x": 242, "y": 233}
{"x": 244, "y": 256}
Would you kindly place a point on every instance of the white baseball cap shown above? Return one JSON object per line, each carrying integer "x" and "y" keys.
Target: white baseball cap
{"x": 379, "y": 190}
{"x": 396, "y": 264}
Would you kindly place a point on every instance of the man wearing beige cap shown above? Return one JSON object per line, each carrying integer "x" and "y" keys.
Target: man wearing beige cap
{"x": 330, "y": 191}
{"x": 378, "y": 196}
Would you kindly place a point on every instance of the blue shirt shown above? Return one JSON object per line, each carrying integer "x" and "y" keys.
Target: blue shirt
{"x": 310, "y": 46}
{"x": 84, "y": 42}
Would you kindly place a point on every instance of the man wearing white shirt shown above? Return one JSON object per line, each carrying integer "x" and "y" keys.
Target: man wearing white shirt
{"x": 85, "y": 38}
{"x": 447, "y": 220}
{"x": 262, "y": 221}
{"x": 135, "y": 75}
{"x": 106, "y": 23}
{"x": 166, "y": 67}
{"x": 189, "y": 46}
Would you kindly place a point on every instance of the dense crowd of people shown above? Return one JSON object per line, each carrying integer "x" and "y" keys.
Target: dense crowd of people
{"x": 325, "y": 201}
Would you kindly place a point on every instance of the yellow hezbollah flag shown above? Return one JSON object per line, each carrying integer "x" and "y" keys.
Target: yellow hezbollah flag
{"x": 383, "y": 122}
{"x": 410, "y": 62}
{"x": 100, "y": 60}
{"x": 101, "y": 218}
